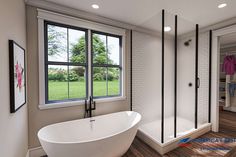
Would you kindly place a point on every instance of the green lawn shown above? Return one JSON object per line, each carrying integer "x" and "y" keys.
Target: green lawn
{"x": 59, "y": 90}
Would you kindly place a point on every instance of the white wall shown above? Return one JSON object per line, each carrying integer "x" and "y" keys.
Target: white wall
{"x": 13, "y": 127}
{"x": 203, "y": 73}
{"x": 40, "y": 118}
{"x": 186, "y": 74}
{"x": 147, "y": 66}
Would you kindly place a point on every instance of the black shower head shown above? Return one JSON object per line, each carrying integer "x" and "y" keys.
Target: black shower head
{"x": 187, "y": 43}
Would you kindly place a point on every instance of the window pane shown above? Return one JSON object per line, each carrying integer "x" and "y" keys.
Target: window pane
{"x": 57, "y": 82}
{"x": 77, "y": 82}
{"x": 77, "y": 46}
{"x": 113, "y": 50}
{"x": 99, "y": 82}
{"x": 57, "y": 43}
{"x": 99, "y": 49}
{"x": 113, "y": 78}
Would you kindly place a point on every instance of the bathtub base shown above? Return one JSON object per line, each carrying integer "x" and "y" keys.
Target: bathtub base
{"x": 163, "y": 148}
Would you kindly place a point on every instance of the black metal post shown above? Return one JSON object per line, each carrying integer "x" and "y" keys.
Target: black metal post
{"x": 210, "y": 62}
{"x": 162, "y": 77}
{"x": 196, "y": 79}
{"x": 131, "y": 70}
{"x": 175, "y": 88}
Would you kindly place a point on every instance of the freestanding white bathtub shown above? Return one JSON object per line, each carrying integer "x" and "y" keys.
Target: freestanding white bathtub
{"x": 103, "y": 136}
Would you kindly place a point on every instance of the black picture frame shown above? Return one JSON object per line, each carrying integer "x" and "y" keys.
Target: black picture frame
{"x": 17, "y": 75}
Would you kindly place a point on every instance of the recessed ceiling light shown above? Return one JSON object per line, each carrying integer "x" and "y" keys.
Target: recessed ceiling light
{"x": 222, "y": 5}
{"x": 95, "y": 6}
{"x": 167, "y": 29}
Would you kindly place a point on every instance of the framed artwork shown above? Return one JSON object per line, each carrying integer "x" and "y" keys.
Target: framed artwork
{"x": 17, "y": 76}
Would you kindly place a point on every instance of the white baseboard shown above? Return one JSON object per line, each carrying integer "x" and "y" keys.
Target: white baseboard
{"x": 232, "y": 108}
{"x": 36, "y": 152}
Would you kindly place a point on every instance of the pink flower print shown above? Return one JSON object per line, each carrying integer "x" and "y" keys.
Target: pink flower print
{"x": 19, "y": 73}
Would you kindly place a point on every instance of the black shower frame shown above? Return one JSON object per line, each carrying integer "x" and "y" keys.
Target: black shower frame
{"x": 131, "y": 70}
{"x": 175, "y": 83}
{"x": 210, "y": 77}
{"x": 162, "y": 76}
{"x": 197, "y": 79}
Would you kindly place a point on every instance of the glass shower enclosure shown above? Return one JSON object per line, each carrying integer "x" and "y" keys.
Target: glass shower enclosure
{"x": 171, "y": 81}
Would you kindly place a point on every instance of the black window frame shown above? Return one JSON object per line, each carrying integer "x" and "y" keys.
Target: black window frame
{"x": 119, "y": 66}
{"x": 68, "y": 64}
{"x": 87, "y": 65}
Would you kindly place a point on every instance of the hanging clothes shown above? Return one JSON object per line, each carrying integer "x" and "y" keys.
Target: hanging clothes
{"x": 232, "y": 89}
{"x": 229, "y": 65}
{"x": 227, "y": 94}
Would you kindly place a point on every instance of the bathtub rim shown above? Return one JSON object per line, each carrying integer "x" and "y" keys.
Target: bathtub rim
{"x": 139, "y": 116}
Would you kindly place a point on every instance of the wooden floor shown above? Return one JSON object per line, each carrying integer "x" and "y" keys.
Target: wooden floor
{"x": 227, "y": 130}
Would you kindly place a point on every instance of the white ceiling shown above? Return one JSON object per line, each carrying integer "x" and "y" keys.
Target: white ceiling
{"x": 147, "y": 13}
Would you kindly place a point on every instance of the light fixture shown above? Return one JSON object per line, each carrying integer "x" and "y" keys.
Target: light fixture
{"x": 167, "y": 29}
{"x": 222, "y": 5}
{"x": 95, "y": 6}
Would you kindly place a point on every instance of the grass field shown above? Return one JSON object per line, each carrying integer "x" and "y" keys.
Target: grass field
{"x": 59, "y": 90}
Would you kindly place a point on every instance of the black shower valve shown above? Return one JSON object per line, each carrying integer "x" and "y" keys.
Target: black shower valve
{"x": 190, "y": 84}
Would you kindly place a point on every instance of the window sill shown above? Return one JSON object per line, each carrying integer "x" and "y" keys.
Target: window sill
{"x": 111, "y": 99}
{"x": 60, "y": 105}
{"x": 78, "y": 103}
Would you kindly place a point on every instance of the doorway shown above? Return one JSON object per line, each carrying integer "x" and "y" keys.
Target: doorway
{"x": 224, "y": 79}
{"x": 227, "y": 82}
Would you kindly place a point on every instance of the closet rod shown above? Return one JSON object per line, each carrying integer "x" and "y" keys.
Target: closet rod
{"x": 228, "y": 52}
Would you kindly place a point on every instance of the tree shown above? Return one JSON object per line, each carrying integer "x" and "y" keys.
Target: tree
{"x": 78, "y": 55}
{"x": 99, "y": 55}
{"x": 56, "y": 40}
{"x": 78, "y": 51}
{"x": 99, "y": 51}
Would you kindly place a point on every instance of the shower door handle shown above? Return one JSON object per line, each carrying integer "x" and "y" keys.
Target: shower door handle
{"x": 198, "y": 82}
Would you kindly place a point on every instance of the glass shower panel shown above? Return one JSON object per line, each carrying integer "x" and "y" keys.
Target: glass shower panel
{"x": 186, "y": 55}
{"x": 203, "y": 73}
{"x": 147, "y": 86}
{"x": 169, "y": 76}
